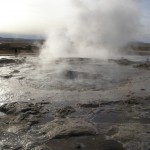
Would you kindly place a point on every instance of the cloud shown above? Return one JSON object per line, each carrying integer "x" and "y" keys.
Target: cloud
{"x": 31, "y": 16}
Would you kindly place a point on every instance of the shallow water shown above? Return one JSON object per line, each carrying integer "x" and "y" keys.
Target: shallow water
{"x": 73, "y": 81}
{"x": 69, "y": 79}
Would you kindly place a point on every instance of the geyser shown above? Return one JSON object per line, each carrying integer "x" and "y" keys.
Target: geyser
{"x": 90, "y": 28}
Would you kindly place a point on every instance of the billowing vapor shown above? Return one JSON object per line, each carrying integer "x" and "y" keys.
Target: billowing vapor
{"x": 91, "y": 28}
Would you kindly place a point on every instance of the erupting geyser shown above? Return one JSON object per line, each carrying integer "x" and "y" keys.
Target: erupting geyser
{"x": 90, "y": 28}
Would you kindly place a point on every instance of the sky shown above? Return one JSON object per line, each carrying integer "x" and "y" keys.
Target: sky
{"x": 32, "y": 18}
{"x": 145, "y": 19}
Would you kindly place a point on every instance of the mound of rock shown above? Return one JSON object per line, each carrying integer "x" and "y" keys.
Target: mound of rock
{"x": 68, "y": 127}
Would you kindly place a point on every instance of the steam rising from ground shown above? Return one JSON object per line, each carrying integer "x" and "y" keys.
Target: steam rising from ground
{"x": 90, "y": 28}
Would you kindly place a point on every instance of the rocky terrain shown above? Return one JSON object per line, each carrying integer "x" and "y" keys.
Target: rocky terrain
{"x": 75, "y": 103}
{"x": 105, "y": 125}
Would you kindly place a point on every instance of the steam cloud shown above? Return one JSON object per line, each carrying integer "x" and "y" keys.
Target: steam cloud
{"x": 90, "y": 28}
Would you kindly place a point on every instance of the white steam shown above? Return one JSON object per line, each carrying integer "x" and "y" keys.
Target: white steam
{"x": 90, "y": 28}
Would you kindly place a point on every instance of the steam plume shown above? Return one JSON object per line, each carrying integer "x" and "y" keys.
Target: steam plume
{"x": 91, "y": 28}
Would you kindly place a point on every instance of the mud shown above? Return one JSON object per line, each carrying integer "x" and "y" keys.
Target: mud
{"x": 74, "y": 103}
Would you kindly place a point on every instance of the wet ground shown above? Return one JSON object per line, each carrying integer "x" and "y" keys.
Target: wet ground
{"x": 85, "y": 103}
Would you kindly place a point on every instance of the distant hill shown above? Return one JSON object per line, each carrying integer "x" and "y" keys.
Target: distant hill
{"x": 9, "y": 45}
{"x": 15, "y": 42}
{"x": 2, "y": 39}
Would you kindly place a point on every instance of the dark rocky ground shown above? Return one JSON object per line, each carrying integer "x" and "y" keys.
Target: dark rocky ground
{"x": 86, "y": 104}
{"x": 115, "y": 125}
